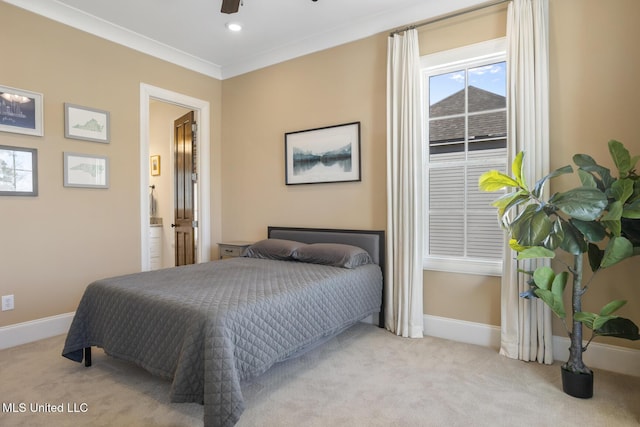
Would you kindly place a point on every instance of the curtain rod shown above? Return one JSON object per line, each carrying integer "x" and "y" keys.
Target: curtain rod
{"x": 450, "y": 15}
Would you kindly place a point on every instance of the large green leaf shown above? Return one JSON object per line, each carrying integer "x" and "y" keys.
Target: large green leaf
{"x": 559, "y": 283}
{"x": 614, "y": 213}
{"x": 620, "y": 156}
{"x": 587, "y": 179}
{"x": 513, "y": 244}
{"x": 509, "y": 200}
{"x": 554, "y": 302}
{"x": 531, "y": 227}
{"x": 555, "y": 237}
{"x": 632, "y": 210}
{"x": 536, "y": 252}
{"x": 494, "y": 180}
{"x": 600, "y": 321}
{"x": 614, "y": 227}
{"x": 573, "y": 241}
{"x": 537, "y": 189}
{"x": 618, "y": 249}
{"x": 592, "y": 230}
{"x": 584, "y": 160}
{"x": 587, "y": 163}
{"x": 517, "y": 170}
{"x": 584, "y": 203}
{"x": 595, "y": 256}
{"x": 612, "y": 307}
{"x": 543, "y": 277}
{"x": 621, "y": 190}
{"x": 585, "y": 318}
{"x": 619, "y": 327}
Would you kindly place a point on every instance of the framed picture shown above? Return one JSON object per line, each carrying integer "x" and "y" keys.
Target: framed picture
{"x": 20, "y": 111}
{"x": 155, "y": 165}
{"x": 84, "y": 170}
{"x": 86, "y": 123}
{"x": 18, "y": 171}
{"x": 328, "y": 154}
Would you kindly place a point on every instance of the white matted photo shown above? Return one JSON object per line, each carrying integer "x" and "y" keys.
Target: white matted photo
{"x": 86, "y": 123}
{"x": 322, "y": 155}
{"x": 86, "y": 170}
{"x": 18, "y": 171}
{"x": 21, "y": 111}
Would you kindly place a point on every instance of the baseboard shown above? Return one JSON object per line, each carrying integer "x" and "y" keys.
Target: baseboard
{"x": 463, "y": 331}
{"x": 599, "y": 356}
{"x": 34, "y": 330}
{"x": 602, "y": 356}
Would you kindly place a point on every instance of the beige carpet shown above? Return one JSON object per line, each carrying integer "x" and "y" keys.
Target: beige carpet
{"x": 364, "y": 377}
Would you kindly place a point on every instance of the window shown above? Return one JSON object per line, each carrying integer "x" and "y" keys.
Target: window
{"x": 465, "y": 134}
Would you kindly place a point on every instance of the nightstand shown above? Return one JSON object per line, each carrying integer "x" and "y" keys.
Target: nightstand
{"x": 233, "y": 248}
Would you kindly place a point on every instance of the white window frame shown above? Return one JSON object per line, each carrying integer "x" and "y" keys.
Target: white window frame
{"x": 469, "y": 56}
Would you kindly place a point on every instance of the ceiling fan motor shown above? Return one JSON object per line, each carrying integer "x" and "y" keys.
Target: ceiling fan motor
{"x": 232, "y": 6}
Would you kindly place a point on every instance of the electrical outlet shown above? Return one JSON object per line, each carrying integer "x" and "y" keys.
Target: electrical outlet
{"x": 7, "y": 302}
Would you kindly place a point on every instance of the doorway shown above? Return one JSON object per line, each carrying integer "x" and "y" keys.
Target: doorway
{"x": 185, "y": 173}
{"x": 201, "y": 111}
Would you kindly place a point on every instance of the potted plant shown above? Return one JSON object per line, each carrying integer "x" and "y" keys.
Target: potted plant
{"x": 599, "y": 219}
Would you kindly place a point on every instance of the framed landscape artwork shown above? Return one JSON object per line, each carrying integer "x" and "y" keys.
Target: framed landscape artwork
{"x": 322, "y": 155}
{"x": 21, "y": 111}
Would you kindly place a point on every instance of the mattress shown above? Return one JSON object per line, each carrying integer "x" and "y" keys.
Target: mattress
{"x": 207, "y": 327}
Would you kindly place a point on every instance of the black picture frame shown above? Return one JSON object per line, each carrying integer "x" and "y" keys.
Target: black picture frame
{"x": 323, "y": 155}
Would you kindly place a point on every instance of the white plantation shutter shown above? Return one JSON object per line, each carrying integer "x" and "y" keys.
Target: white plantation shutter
{"x": 483, "y": 228}
{"x": 446, "y": 211}
{"x": 462, "y": 222}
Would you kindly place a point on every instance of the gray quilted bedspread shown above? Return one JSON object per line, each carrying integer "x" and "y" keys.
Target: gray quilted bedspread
{"x": 207, "y": 327}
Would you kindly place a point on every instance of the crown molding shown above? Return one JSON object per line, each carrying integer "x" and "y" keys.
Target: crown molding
{"x": 355, "y": 30}
{"x": 88, "y": 23}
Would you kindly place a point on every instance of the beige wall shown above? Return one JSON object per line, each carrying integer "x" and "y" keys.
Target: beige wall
{"x": 594, "y": 66}
{"x": 53, "y": 245}
{"x": 340, "y": 85}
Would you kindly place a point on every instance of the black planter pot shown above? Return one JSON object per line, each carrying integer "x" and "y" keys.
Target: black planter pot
{"x": 577, "y": 384}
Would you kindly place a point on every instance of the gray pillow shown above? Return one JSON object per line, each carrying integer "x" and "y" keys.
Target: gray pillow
{"x": 272, "y": 249}
{"x": 335, "y": 254}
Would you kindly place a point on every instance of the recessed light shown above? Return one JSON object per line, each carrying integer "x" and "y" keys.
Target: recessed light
{"x": 234, "y": 26}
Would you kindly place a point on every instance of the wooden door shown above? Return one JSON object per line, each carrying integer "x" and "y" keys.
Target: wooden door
{"x": 185, "y": 178}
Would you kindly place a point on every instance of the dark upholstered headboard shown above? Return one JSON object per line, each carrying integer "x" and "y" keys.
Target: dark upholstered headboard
{"x": 370, "y": 240}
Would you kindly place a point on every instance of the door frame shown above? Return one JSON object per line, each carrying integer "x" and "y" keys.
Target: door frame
{"x": 201, "y": 109}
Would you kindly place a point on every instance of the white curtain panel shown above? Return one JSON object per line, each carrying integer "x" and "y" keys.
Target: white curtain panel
{"x": 403, "y": 296}
{"x": 526, "y": 324}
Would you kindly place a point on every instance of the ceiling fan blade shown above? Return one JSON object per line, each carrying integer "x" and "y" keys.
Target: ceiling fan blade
{"x": 230, "y": 6}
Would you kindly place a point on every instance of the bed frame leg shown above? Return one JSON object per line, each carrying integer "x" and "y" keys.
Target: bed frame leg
{"x": 87, "y": 356}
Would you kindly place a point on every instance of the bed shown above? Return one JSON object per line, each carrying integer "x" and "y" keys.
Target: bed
{"x": 208, "y": 327}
